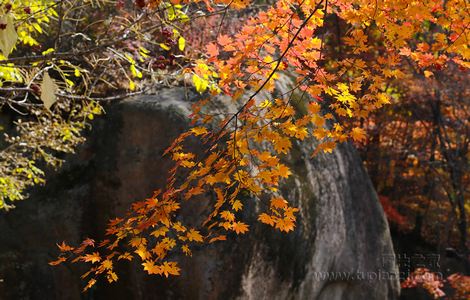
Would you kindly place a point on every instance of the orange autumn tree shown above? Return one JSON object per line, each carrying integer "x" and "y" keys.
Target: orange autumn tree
{"x": 417, "y": 149}
{"x": 336, "y": 85}
{"x": 426, "y": 171}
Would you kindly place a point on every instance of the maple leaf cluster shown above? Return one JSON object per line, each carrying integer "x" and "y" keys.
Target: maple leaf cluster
{"x": 336, "y": 86}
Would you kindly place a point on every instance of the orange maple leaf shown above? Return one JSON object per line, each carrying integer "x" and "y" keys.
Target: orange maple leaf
{"x": 224, "y": 40}
{"x": 194, "y": 235}
{"x": 60, "y": 260}
{"x": 358, "y": 134}
{"x": 237, "y": 205}
{"x": 88, "y": 242}
{"x": 282, "y": 145}
{"x": 111, "y": 276}
{"x": 278, "y": 203}
{"x": 186, "y": 250}
{"x": 142, "y": 252}
{"x": 313, "y": 107}
{"x": 93, "y": 258}
{"x": 283, "y": 170}
{"x": 239, "y": 227}
{"x": 125, "y": 255}
{"x": 64, "y": 247}
{"x": 212, "y": 50}
{"x": 199, "y": 130}
{"x": 285, "y": 224}
{"x": 137, "y": 242}
{"x": 179, "y": 227}
{"x": 151, "y": 268}
{"x": 227, "y": 215}
{"x": 266, "y": 219}
{"x": 90, "y": 283}
{"x": 218, "y": 238}
{"x": 160, "y": 231}
{"x": 107, "y": 264}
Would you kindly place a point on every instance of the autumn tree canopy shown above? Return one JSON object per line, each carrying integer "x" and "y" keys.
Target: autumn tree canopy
{"x": 347, "y": 60}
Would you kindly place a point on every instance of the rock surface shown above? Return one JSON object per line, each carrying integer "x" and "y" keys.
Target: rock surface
{"x": 341, "y": 226}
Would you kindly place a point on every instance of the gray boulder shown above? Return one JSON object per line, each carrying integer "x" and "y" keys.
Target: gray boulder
{"x": 341, "y": 248}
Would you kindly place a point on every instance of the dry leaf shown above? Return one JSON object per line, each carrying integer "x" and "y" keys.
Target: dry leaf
{"x": 48, "y": 90}
{"x": 8, "y": 36}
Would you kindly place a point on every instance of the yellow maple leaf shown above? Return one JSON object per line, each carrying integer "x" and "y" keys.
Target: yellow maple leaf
{"x": 265, "y": 103}
{"x": 199, "y": 130}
